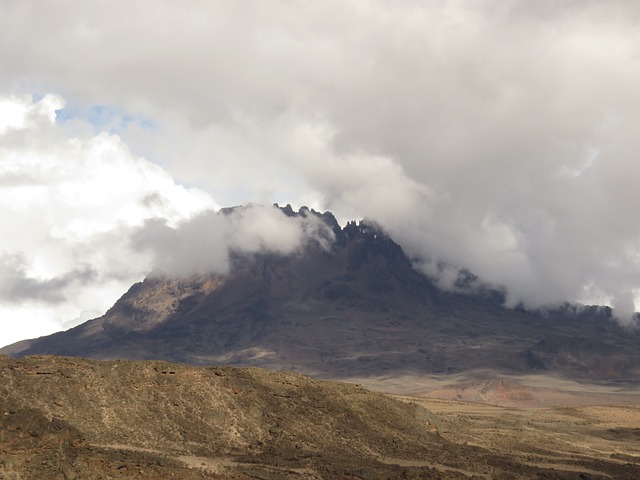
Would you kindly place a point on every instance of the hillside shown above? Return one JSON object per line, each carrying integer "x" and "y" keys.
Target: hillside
{"x": 65, "y": 418}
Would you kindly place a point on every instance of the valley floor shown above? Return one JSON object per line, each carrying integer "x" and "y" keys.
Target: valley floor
{"x": 589, "y": 440}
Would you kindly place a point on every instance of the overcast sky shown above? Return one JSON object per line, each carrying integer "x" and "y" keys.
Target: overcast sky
{"x": 500, "y": 136}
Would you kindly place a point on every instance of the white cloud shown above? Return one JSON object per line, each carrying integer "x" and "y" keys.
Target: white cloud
{"x": 64, "y": 203}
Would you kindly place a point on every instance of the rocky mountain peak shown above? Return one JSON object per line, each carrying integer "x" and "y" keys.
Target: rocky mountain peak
{"x": 354, "y": 308}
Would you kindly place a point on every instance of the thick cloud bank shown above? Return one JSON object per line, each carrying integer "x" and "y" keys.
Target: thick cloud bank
{"x": 496, "y": 136}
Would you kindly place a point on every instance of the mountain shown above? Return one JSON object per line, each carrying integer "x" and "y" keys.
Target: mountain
{"x": 354, "y": 310}
{"x": 70, "y": 418}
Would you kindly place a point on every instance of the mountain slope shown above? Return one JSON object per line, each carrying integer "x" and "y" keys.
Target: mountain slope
{"x": 356, "y": 309}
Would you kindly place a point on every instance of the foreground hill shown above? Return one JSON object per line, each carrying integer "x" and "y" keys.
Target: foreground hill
{"x": 65, "y": 418}
{"x": 354, "y": 310}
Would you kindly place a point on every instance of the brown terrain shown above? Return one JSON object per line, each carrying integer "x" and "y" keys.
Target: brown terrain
{"x": 69, "y": 418}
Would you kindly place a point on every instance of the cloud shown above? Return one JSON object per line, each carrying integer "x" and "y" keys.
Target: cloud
{"x": 66, "y": 207}
{"x": 16, "y": 285}
{"x": 203, "y": 244}
{"x": 501, "y": 138}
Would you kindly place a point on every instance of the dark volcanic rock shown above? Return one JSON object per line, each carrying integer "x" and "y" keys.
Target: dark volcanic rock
{"x": 584, "y": 357}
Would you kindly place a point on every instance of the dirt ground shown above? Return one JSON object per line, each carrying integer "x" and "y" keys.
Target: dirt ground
{"x": 584, "y": 439}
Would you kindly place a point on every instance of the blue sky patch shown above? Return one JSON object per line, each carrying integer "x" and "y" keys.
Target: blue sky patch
{"x": 104, "y": 118}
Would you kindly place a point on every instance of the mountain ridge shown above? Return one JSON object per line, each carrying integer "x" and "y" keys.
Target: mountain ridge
{"x": 352, "y": 307}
